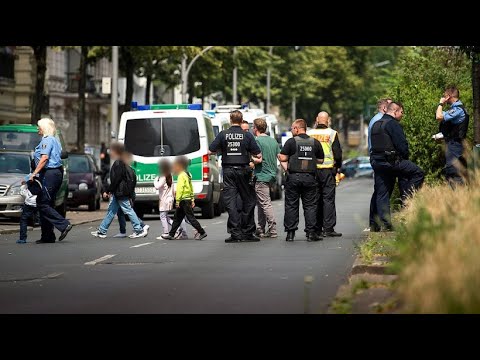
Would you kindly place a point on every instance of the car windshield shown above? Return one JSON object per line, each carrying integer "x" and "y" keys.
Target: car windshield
{"x": 78, "y": 164}
{"x": 12, "y": 140}
{"x": 14, "y": 163}
{"x": 162, "y": 136}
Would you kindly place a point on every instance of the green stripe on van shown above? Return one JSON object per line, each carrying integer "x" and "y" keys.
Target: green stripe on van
{"x": 148, "y": 172}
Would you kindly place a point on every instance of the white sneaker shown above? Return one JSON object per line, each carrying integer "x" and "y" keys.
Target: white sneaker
{"x": 120, "y": 235}
{"x": 146, "y": 227}
{"x": 138, "y": 235}
{"x": 98, "y": 234}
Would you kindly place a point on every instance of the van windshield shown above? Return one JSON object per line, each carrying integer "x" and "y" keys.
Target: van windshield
{"x": 12, "y": 140}
{"x": 162, "y": 136}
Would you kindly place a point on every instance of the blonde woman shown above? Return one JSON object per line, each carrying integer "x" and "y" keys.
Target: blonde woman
{"x": 49, "y": 171}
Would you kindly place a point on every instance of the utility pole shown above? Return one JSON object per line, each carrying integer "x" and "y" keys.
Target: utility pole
{"x": 294, "y": 108}
{"x": 234, "y": 85}
{"x": 186, "y": 70}
{"x": 269, "y": 74}
{"x": 114, "y": 95}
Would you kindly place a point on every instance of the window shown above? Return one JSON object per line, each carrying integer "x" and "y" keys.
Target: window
{"x": 14, "y": 163}
{"x": 7, "y": 62}
{"x": 12, "y": 140}
{"x": 78, "y": 164}
{"x": 216, "y": 130}
{"x": 210, "y": 130}
{"x": 162, "y": 136}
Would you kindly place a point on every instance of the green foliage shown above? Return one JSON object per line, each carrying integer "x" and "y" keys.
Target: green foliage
{"x": 420, "y": 77}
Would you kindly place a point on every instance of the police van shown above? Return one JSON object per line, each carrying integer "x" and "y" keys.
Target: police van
{"x": 164, "y": 131}
{"x": 249, "y": 115}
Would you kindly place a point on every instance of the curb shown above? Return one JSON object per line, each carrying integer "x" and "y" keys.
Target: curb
{"x": 359, "y": 268}
{"x": 15, "y": 231}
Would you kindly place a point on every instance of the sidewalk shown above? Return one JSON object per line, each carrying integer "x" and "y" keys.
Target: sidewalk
{"x": 76, "y": 217}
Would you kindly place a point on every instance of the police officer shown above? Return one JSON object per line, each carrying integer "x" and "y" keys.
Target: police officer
{"x": 389, "y": 158}
{"x": 236, "y": 147}
{"x": 299, "y": 157}
{"x": 454, "y": 126}
{"x": 49, "y": 169}
{"x": 326, "y": 172}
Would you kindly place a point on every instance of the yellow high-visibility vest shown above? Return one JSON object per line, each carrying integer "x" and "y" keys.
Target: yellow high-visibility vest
{"x": 326, "y": 137}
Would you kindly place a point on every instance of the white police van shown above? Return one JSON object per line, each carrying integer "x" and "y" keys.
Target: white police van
{"x": 164, "y": 131}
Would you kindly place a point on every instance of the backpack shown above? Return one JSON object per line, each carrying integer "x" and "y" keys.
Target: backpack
{"x": 130, "y": 181}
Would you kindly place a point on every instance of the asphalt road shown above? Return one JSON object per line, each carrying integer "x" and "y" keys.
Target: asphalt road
{"x": 183, "y": 276}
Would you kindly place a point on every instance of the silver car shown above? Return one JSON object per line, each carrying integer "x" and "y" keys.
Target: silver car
{"x": 14, "y": 166}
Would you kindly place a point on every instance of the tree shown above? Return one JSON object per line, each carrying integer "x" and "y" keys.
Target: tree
{"x": 81, "y": 99}
{"x": 419, "y": 79}
{"x": 474, "y": 54}
{"x": 39, "y": 96}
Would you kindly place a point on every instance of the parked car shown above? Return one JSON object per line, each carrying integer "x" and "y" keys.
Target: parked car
{"x": 14, "y": 166}
{"x": 23, "y": 138}
{"x": 85, "y": 184}
{"x": 357, "y": 167}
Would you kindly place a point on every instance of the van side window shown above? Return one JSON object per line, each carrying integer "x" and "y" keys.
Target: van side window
{"x": 209, "y": 127}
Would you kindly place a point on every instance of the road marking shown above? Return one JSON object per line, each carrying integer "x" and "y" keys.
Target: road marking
{"x": 96, "y": 261}
{"x": 139, "y": 245}
{"x": 218, "y": 222}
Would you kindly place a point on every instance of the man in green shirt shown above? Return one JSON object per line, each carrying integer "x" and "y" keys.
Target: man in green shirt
{"x": 266, "y": 173}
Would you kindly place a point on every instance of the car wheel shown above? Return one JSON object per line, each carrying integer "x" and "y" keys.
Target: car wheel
{"x": 208, "y": 210}
{"x": 97, "y": 203}
{"x": 92, "y": 204}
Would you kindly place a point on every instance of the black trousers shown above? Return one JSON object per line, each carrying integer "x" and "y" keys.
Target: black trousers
{"x": 184, "y": 210}
{"x": 403, "y": 188}
{"x": 455, "y": 163}
{"x": 300, "y": 186}
{"x": 51, "y": 180}
{"x": 236, "y": 182}
{"x": 326, "y": 212}
{"x": 28, "y": 212}
{"x": 385, "y": 175}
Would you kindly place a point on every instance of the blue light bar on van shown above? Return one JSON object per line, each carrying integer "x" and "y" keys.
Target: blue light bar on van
{"x": 135, "y": 107}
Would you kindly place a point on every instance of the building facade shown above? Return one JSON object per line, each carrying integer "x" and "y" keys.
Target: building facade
{"x": 17, "y": 76}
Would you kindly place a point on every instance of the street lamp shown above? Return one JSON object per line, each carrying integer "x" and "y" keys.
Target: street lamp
{"x": 186, "y": 70}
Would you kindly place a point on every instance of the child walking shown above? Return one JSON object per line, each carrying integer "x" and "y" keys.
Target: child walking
{"x": 184, "y": 201}
{"x": 29, "y": 207}
{"x": 166, "y": 193}
{"x": 122, "y": 221}
{"x": 120, "y": 192}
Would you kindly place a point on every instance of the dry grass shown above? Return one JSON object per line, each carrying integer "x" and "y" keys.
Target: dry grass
{"x": 439, "y": 250}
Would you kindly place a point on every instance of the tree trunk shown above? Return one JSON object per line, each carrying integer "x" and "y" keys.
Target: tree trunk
{"x": 203, "y": 95}
{"x": 147, "y": 90}
{"x": 81, "y": 100}
{"x": 476, "y": 97}
{"x": 38, "y": 100}
{"x": 129, "y": 67}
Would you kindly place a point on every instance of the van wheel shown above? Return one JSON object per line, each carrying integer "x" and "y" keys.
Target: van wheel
{"x": 92, "y": 204}
{"x": 97, "y": 204}
{"x": 208, "y": 210}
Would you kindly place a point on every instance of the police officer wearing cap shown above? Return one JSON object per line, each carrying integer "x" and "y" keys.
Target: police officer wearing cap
{"x": 49, "y": 170}
{"x": 326, "y": 172}
{"x": 237, "y": 147}
{"x": 299, "y": 157}
{"x": 389, "y": 157}
{"x": 454, "y": 127}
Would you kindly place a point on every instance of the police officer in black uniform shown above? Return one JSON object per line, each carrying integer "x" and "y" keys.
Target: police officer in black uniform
{"x": 389, "y": 157}
{"x": 237, "y": 147}
{"x": 299, "y": 157}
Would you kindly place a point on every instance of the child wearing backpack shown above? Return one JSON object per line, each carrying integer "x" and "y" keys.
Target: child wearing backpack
{"x": 29, "y": 206}
{"x": 184, "y": 201}
{"x": 120, "y": 192}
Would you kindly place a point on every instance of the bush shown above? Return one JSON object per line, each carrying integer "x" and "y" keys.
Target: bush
{"x": 420, "y": 77}
{"x": 439, "y": 250}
